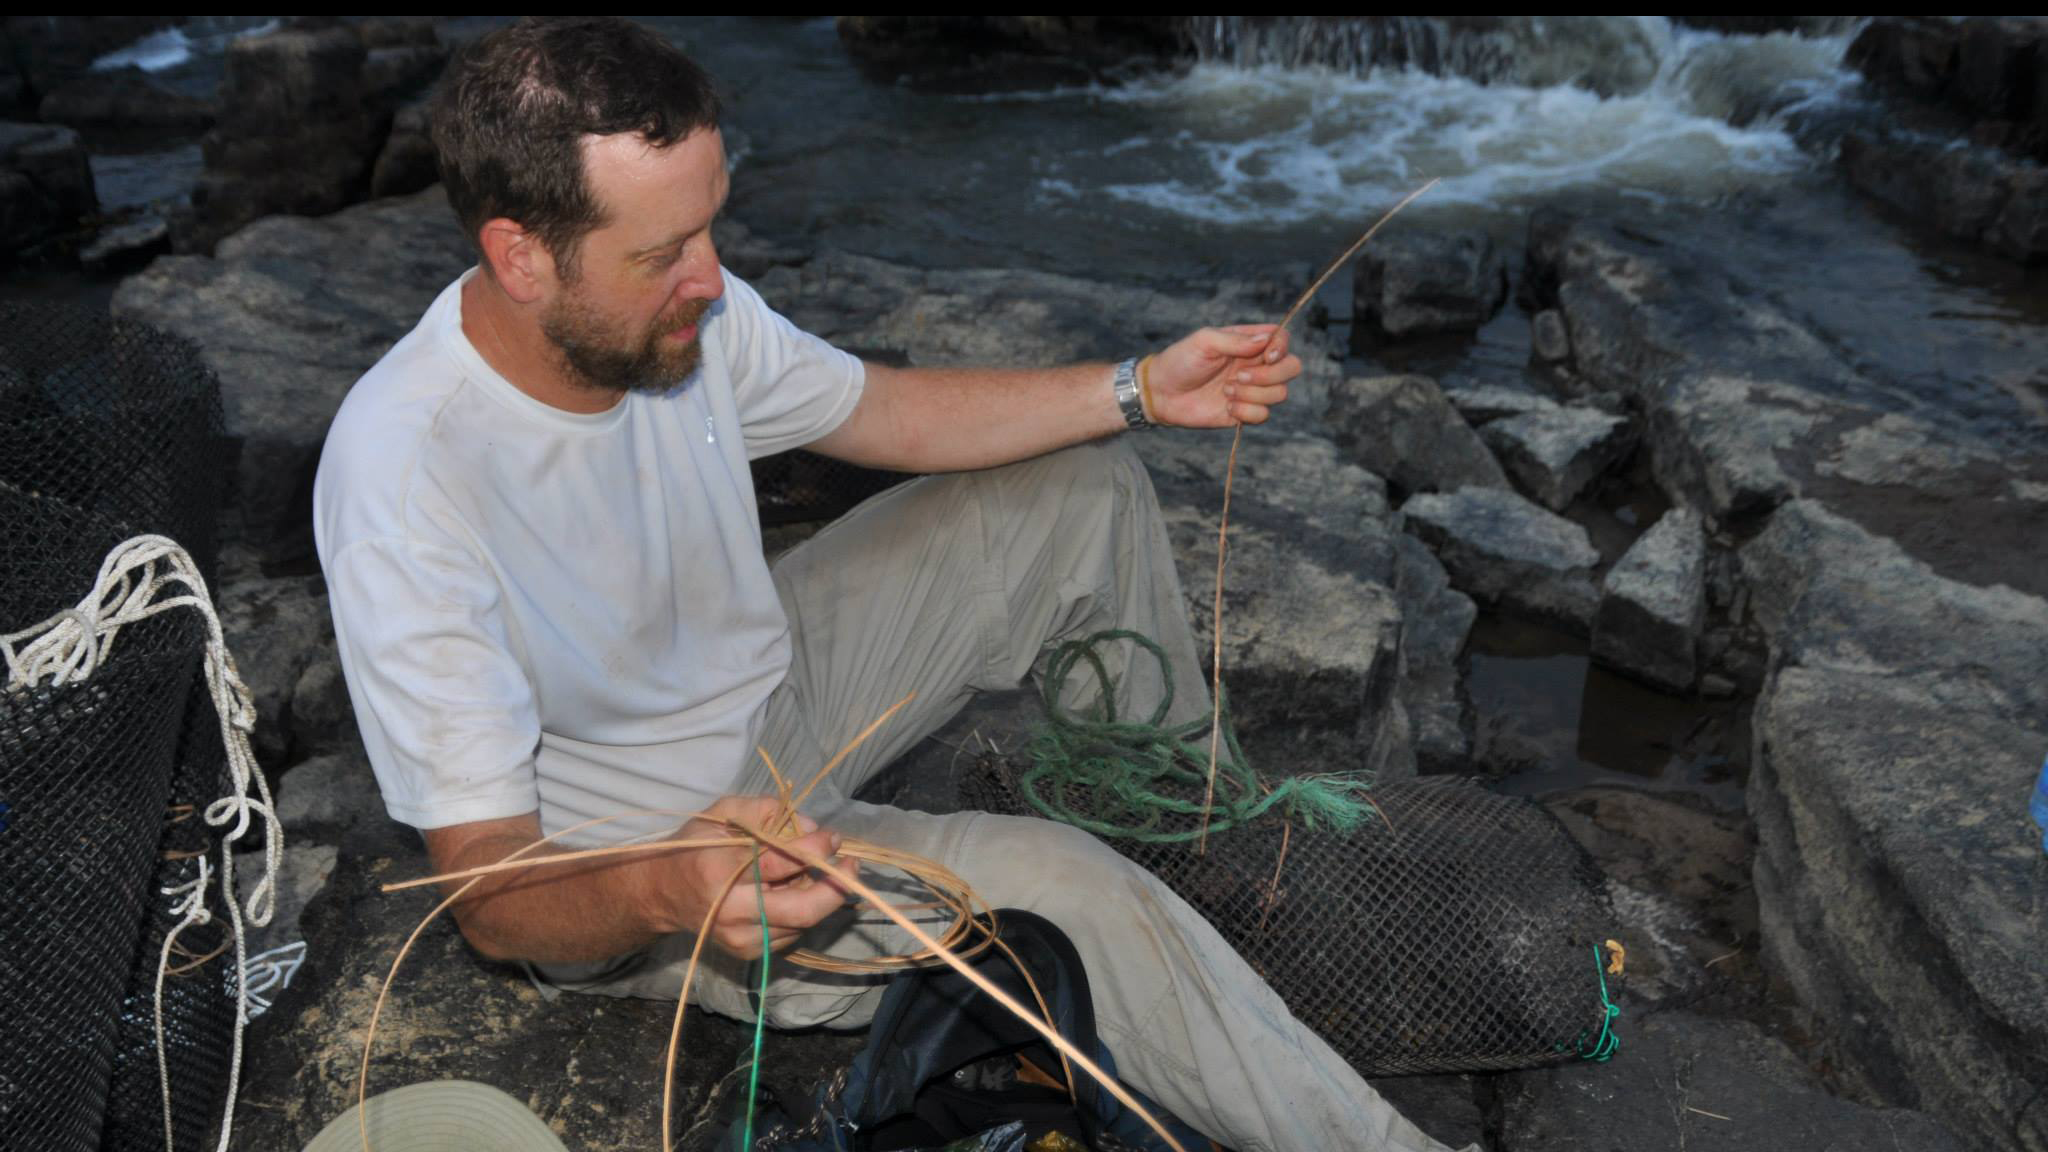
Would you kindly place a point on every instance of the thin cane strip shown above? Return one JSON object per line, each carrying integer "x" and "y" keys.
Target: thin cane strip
{"x": 789, "y": 824}
{"x": 1279, "y": 866}
{"x": 848, "y": 750}
{"x": 1223, "y": 527}
{"x": 675, "y": 1031}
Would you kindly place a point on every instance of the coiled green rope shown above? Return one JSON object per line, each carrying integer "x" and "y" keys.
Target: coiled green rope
{"x": 1123, "y": 779}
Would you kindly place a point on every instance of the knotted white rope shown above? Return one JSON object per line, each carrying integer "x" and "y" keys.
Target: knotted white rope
{"x": 143, "y": 577}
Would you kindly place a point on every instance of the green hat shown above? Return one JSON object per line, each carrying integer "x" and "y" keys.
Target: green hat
{"x": 441, "y": 1116}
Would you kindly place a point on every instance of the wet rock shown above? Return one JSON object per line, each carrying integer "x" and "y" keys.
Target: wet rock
{"x": 47, "y": 52}
{"x": 1897, "y": 874}
{"x": 1312, "y": 626}
{"x": 328, "y": 793}
{"x": 275, "y": 629}
{"x": 1915, "y": 54}
{"x": 1548, "y": 336}
{"x": 289, "y": 313}
{"x": 1504, "y": 550}
{"x": 1678, "y": 873}
{"x": 321, "y": 716}
{"x": 1717, "y": 687}
{"x": 1402, "y": 428}
{"x": 1436, "y": 619}
{"x": 401, "y": 72}
{"x": 1653, "y": 603}
{"x": 1897, "y": 449}
{"x": 1970, "y": 193}
{"x": 1998, "y": 66}
{"x": 2021, "y": 230}
{"x": 301, "y": 876}
{"x": 46, "y": 184}
{"x": 1482, "y": 404}
{"x": 1732, "y": 388}
{"x": 296, "y": 134}
{"x": 977, "y": 53}
{"x": 408, "y": 162}
{"x": 1555, "y": 455}
{"x": 1701, "y": 1084}
{"x": 122, "y": 109}
{"x": 1446, "y": 1107}
{"x": 127, "y": 245}
{"x": 1414, "y": 284}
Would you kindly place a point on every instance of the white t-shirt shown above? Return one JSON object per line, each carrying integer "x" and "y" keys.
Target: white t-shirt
{"x": 543, "y": 610}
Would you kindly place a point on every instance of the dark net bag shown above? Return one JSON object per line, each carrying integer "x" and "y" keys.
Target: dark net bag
{"x": 1419, "y": 927}
{"x": 108, "y": 430}
{"x": 1463, "y": 933}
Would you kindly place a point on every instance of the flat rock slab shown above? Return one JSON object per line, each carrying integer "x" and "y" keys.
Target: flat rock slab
{"x": 1311, "y": 622}
{"x": 1504, "y": 550}
{"x": 1703, "y": 1085}
{"x": 1555, "y": 455}
{"x": 1403, "y": 429}
{"x": 1653, "y": 603}
{"x": 1897, "y": 874}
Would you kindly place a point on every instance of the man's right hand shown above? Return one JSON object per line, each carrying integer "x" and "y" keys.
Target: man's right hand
{"x": 581, "y": 914}
{"x": 681, "y": 887}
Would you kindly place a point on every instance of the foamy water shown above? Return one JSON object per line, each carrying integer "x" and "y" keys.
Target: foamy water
{"x": 170, "y": 47}
{"x": 1277, "y": 145}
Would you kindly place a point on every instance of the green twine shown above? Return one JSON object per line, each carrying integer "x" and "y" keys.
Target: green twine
{"x": 760, "y": 1005}
{"x": 1608, "y": 1042}
{"x": 1134, "y": 774}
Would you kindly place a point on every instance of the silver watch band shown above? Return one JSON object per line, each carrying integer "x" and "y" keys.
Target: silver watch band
{"x": 1127, "y": 397}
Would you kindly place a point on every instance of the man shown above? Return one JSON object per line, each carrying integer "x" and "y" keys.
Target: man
{"x": 539, "y": 532}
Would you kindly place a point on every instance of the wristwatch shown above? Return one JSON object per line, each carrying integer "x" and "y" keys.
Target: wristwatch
{"x": 1128, "y": 397}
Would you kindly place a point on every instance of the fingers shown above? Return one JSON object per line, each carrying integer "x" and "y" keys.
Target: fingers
{"x": 1266, "y": 396}
{"x": 1267, "y": 342}
{"x": 778, "y": 866}
{"x": 1245, "y": 413}
{"x": 1257, "y": 375}
{"x": 794, "y": 906}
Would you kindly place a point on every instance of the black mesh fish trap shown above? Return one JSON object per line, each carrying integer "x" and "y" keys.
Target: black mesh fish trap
{"x": 1459, "y": 930}
{"x": 108, "y": 430}
{"x": 793, "y": 487}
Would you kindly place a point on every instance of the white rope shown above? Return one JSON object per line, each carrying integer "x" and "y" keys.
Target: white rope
{"x": 145, "y": 576}
{"x": 272, "y": 970}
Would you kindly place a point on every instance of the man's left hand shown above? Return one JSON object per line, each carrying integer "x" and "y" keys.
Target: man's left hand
{"x": 1216, "y": 377}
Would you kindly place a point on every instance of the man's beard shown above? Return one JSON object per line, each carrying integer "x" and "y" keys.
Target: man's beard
{"x": 597, "y": 355}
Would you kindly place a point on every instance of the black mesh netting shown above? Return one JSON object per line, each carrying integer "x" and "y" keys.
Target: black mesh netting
{"x": 796, "y": 486}
{"x": 1460, "y": 932}
{"x": 107, "y": 430}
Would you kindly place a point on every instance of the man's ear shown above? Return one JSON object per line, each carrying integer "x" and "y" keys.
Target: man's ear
{"x": 520, "y": 263}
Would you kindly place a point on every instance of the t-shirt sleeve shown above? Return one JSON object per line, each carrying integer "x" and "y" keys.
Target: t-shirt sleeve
{"x": 790, "y": 386}
{"x": 447, "y": 713}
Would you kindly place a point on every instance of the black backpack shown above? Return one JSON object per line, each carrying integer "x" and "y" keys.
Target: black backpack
{"x": 941, "y": 1067}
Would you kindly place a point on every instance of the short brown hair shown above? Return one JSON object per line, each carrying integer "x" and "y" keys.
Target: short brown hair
{"x": 510, "y": 116}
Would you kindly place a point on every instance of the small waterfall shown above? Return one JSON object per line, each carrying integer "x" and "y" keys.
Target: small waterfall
{"x": 1735, "y": 78}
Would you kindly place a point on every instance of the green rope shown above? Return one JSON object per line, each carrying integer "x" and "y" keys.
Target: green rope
{"x": 760, "y": 1005}
{"x": 1608, "y": 1042}
{"x": 1123, "y": 778}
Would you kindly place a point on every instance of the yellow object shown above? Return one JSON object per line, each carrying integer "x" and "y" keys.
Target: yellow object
{"x": 1618, "y": 959}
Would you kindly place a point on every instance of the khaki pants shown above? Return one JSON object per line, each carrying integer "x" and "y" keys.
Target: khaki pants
{"x": 950, "y": 585}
